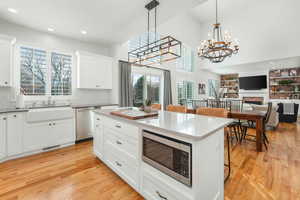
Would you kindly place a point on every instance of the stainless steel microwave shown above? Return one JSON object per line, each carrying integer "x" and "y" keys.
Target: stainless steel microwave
{"x": 171, "y": 156}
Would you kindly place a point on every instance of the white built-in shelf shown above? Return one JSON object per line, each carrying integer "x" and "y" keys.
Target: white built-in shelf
{"x": 284, "y": 77}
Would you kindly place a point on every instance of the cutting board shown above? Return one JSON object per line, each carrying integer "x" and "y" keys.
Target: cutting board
{"x": 134, "y": 114}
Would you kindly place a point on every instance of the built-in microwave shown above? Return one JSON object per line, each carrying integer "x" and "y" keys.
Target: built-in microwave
{"x": 171, "y": 156}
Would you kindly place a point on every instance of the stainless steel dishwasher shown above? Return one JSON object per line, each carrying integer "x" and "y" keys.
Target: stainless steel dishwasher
{"x": 84, "y": 123}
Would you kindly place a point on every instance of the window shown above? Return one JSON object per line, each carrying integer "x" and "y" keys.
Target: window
{"x": 145, "y": 87}
{"x": 186, "y": 61}
{"x": 45, "y": 73}
{"x": 33, "y": 71}
{"x": 61, "y": 75}
{"x": 185, "y": 92}
{"x": 213, "y": 86}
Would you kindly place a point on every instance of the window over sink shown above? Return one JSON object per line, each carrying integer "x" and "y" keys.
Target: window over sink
{"x": 44, "y": 73}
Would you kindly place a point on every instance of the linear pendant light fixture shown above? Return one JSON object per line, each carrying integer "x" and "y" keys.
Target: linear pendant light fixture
{"x": 217, "y": 48}
{"x": 161, "y": 50}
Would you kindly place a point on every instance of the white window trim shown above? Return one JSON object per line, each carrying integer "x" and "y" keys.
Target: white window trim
{"x": 17, "y": 73}
{"x": 147, "y": 71}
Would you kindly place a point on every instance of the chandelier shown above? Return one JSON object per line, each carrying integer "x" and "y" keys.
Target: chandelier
{"x": 161, "y": 50}
{"x": 217, "y": 48}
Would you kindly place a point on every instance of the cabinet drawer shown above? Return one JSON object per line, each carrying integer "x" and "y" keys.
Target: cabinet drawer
{"x": 154, "y": 189}
{"x": 121, "y": 127}
{"x": 125, "y": 166}
{"x": 126, "y": 144}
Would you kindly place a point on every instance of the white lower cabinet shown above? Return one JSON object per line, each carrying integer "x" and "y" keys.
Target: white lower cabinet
{"x": 2, "y": 137}
{"x": 98, "y": 137}
{"x": 41, "y": 135}
{"x": 37, "y": 136}
{"x": 15, "y": 124}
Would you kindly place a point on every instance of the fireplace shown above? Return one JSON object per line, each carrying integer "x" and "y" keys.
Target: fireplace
{"x": 253, "y": 100}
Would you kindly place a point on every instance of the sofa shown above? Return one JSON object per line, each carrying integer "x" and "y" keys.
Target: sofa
{"x": 288, "y": 118}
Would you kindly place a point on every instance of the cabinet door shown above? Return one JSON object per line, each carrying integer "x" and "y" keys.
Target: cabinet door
{"x": 14, "y": 134}
{"x": 62, "y": 132}
{"x": 105, "y": 68}
{"x": 5, "y": 64}
{"x": 37, "y": 136}
{"x": 98, "y": 137}
{"x": 2, "y": 137}
{"x": 87, "y": 76}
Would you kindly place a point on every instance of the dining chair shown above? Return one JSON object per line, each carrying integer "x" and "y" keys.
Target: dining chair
{"x": 176, "y": 108}
{"x": 246, "y": 126}
{"x": 219, "y": 112}
{"x": 156, "y": 106}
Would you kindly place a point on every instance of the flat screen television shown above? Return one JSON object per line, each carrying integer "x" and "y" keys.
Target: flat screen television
{"x": 253, "y": 82}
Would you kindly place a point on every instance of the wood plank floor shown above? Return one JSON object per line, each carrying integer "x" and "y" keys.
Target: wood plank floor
{"x": 74, "y": 173}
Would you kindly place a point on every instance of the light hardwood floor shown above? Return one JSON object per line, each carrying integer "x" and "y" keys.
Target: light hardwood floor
{"x": 74, "y": 173}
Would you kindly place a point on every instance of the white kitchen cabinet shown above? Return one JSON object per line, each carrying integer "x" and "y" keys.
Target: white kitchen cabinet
{"x": 98, "y": 137}
{"x": 37, "y": 136}
{"x": 62, "y": 132}
{"x": 15, "y": 133}
{"x": 42, "y": 135}
{"x": 94, "y": 71}
{"x": 2, "y": 137}
{"x": 6, "y": 53}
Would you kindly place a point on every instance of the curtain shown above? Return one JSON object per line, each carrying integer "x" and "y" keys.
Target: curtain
{"x": 167, "y": 89}
{"x": 125, "y": 87}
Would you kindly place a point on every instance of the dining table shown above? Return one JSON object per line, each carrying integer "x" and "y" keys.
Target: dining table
{"x": 250, "y": 115}
{"x": 258, "y": 117}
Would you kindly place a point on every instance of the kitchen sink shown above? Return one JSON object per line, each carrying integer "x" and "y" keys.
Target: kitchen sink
{"x": 49, "y": 114}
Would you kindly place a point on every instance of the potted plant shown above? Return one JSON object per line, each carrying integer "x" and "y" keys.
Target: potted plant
{"x": 147, "y": 105}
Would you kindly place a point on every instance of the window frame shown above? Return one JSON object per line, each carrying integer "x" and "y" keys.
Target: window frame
{"x": 17, "y": 73}
{"x": 184, "y": 82}
{"x": 145, "y": 72}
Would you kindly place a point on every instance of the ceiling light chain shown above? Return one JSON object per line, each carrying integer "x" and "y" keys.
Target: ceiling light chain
{"x": 161, "y": 50}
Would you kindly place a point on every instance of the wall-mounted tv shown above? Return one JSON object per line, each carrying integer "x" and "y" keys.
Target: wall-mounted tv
{"x": 253, "y": 82}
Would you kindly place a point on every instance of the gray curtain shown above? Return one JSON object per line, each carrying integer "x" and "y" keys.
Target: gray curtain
{"x": 125, "y": 87}
{"x": 167, "y": 89}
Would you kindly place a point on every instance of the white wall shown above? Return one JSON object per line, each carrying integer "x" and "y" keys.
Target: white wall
{"x": 185, "y": 29}
{"x": 266, "y": 30}
{"x": 26, "y": 36}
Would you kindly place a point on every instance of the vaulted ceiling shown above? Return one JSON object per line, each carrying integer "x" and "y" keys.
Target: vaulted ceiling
{"x": 106, "y": 21}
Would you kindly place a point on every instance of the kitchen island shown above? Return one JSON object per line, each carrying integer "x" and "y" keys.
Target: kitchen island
{"x": 173, "y": 156}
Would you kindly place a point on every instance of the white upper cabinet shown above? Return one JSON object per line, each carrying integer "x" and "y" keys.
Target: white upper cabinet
{"x": 6, "y": 57}
{"x": 94, "y": 71}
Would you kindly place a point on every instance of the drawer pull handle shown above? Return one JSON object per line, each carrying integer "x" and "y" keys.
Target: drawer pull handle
{"x": 119, "y": 164}
{"x": 118, "y": 142}
{"x": 118, "y": 126}
{"x": 161, "y": 196}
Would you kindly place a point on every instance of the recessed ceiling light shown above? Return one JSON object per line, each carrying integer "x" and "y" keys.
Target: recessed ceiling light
{"x": 12, "y": 10}
{"x": 83, "y": 32}
{"x": 51, "y": 29}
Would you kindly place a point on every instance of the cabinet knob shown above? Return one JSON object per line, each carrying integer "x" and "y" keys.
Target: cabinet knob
{"x": 4, "y": 118}
{"x": 118, "y": 142}
{"x": 119, "y": 164}
{"x": 15, "y": 115}
{"x": 118, "y": 126}
{"x": 50, "y": 124}
{"x": 54, "y": 124}
{"x": 98, "y": 119}
{"x": 5, "y": 82}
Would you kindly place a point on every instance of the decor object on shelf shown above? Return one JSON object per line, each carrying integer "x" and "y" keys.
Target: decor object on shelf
{"x": 230, "y": 83}
{"x": 201, "y": 88}
{"x": 147, "y": 106}
{"x": 286, "y": 82}
{"x": 217, "y": 48}
{"x": 161, "y": 50}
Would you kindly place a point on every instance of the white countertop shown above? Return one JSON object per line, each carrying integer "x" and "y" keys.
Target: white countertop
{"x": 186, "y": 125}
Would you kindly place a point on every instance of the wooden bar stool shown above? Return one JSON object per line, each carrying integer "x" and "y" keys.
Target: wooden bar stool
{"x": 173, "y": 108}
{"x": 219, "y": 112}
{"x": 156, "y": 106}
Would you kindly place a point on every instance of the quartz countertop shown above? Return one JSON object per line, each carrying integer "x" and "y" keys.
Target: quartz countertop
{"x": 12, "y": 110}
{"x": 183, "y": 124}
{"x": 92, "y": 105}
